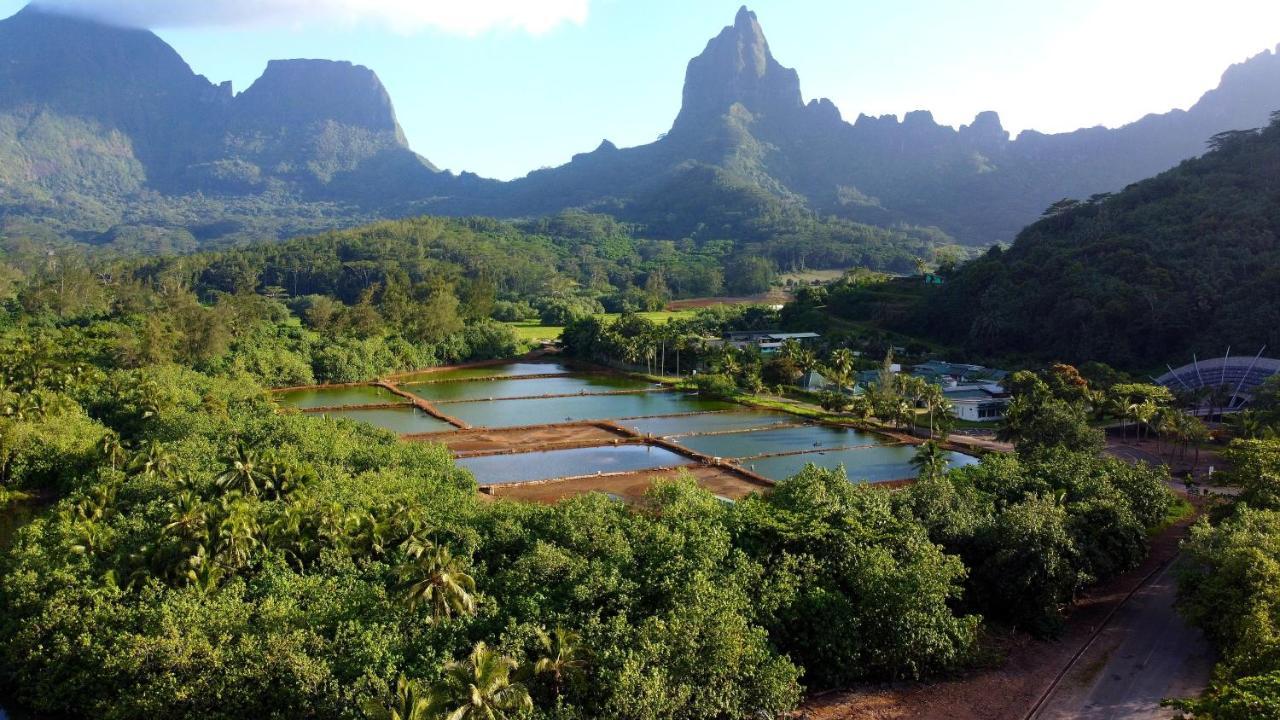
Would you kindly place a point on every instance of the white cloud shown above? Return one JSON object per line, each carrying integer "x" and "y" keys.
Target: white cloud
{"x": 1125, "y": 59}
{"x": 462, "y": 17}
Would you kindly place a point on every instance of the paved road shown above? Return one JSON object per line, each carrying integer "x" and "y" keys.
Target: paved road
{"x": 1145, "y": 654}
{"x": 1133, "y": 454}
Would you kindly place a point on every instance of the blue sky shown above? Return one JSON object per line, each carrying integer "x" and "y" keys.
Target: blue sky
{"x": 502, "y": 87}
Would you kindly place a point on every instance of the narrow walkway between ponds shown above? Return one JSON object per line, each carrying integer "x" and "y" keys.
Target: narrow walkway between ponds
{"x": 423, "y": 405}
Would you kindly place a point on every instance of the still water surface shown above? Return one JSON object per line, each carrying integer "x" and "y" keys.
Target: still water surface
{"x": 524, "y": 467}
{"x": 511, "y": 413}
{"x": 874, "y": 464}
{"x": 403, "y": 420}
{"x": 505, "y": 370}
{"x": 444, "y": 392}
{"x": 790, "y": 439}
{"x": 337, "y": 397}
{"x": 711, "y": 422}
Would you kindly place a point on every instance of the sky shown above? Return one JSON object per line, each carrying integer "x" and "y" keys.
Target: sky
{"x": 503, "y": 87}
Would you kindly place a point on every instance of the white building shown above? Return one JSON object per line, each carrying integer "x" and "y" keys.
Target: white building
{"x": 977, "y": 402}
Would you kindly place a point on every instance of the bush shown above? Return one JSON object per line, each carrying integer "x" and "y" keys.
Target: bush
{"x": 715, "y": 385}
{"x": 507, "y": 311}
{"x": 488, "y": 340}
{"x": 564, "y": 311}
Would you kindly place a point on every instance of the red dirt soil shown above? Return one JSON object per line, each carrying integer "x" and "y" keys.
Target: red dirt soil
{"x": 485, "y": 441}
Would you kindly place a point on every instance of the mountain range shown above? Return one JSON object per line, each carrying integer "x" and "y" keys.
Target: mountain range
{"x": 107, "y": 136}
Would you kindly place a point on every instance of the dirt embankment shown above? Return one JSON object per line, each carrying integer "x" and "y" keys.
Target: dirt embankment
{"x": 504, "y": 441}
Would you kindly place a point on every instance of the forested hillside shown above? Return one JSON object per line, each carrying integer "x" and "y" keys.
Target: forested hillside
{"x": 1186, "y": 262}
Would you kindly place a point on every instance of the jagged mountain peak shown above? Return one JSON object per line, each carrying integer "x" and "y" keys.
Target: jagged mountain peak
{"x": 305, "y": 91}
{"x": 736, "y": 68}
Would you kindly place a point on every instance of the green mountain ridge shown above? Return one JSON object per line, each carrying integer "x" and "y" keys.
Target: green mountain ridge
{"x": 1185, "y": 262}
{"x": 106, "y": 134}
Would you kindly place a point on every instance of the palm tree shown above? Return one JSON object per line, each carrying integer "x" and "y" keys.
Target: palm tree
{"x": 243, "y": 473}
{"x": 1118, "y": 407}
{"x": 480, "y": 687}
{"x": 237, "y": 533}
{"x": 155, "y": 461}
{"x": 282, "y": 477}
{"x": 904, "y": 414}
{"x": 112, "y": 450}
{"x": 294, "y": 533}
{"x": 1143, "y": 413}
{"x": 1197, "y": 433}
{"x": 410, "y": 702}
{"x": 204, "y": 574}
{"x": 1250, "y": 425}
{"x": 930, "y": 460}
{"x": 806, "y": 360}
{"x": 860, "y": 406}
{"x": 840, "y": 369}
{"x": 437, "y": 578}
{"x": 935, "y": 402}
{"x": 727, "y": 362}
{"x": 90, "y": 538}
{"x": 564, "y": 658}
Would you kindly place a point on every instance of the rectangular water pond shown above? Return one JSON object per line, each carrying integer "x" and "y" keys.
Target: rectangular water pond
{"x": 709, "y": 422}
{"x": 874, "y": 464}
{"x": 404, "y": 421}
{"x": 512, "y": 413}
{"x": 527, "y": 467}
{"x": 461, "y": 390}
{"x": 337, "y": 397}
{"x": 790, "y": 439}
{"x": 515, "y": 369}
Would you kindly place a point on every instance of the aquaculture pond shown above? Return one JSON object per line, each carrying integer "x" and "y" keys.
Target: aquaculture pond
{"x": 471, "y": 390}
{"x": 402, "y": 420}
{"x": 515, "y": 369}
{"x": 780, "y": 440}
{"x": 511, "y": 413}
{"x": 773, "y": 444}
{"x": 343, "y": 396}
{"x": 725, "y": 421}
{"x": 526, "y": 467}
{"x": 871, "y": 464}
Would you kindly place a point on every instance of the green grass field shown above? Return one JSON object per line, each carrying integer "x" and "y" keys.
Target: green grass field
{"x": 534, "y": 331}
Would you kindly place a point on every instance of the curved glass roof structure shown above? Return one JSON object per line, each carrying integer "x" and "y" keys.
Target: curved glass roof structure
{"x": 1236, "y": 377}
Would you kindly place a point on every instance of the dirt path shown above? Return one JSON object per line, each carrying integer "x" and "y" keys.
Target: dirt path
{"x": 1030, "y": 668}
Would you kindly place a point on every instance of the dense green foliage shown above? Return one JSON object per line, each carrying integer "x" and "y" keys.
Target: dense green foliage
{"x": 207, "y": 555}
{"x": 1185, "y": 262}
{"x": 1035, "y": 530}
{"x": 211, "y": 557}
{"x": 1228, "y": 588}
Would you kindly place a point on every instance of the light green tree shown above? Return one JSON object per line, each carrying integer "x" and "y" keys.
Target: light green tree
{"x": 481, "y": 687}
